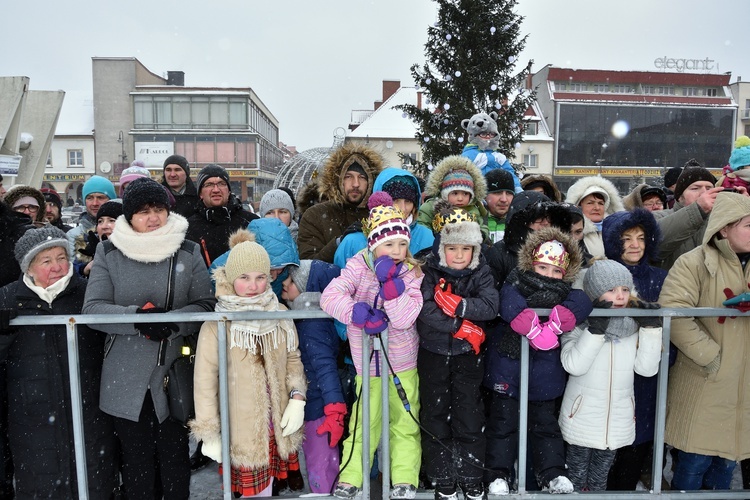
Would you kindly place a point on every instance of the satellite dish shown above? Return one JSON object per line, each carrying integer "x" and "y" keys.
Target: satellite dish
{"x": 105, "y": 167}
{"x": 389, "y": 144}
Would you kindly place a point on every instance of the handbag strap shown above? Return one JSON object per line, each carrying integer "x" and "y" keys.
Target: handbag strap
{"x": 168, "y": 305}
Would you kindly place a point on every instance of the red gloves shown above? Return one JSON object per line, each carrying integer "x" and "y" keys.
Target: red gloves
{"x": 334, "y": 423}
{"x": 445, "y": 299}
{"x": 471, "y": 333}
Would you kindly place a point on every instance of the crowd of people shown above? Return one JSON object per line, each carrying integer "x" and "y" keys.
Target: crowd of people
{"x": 452, "y": 267}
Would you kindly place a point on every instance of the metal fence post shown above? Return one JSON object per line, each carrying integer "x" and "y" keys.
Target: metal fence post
{"x": 385, "y": 448}
{"x": 365, "y": 400}
{"x": 226, "y": 477}
{"x": 523, "y": 417}
{"x": 76, "y": 408}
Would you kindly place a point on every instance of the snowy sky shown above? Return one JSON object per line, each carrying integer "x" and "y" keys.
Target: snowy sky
{"x": 313, "y": 61}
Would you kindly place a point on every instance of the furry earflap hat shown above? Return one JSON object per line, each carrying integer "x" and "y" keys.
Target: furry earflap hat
{"x": 456, "y": 227}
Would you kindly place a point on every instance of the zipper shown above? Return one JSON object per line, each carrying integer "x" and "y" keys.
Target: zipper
{"x": 609, "y": 392}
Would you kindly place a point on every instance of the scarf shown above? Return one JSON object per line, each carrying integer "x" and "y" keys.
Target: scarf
{"x": 50, "y": 293}
{"x": 620, "y": 328}
{"x": 154, "y": 246}
{"x": 266, "y": 333}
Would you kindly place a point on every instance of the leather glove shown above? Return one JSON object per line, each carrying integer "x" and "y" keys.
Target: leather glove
{"x": 92, "y": 239}
{"x": 646, "y": 321}
{"x": 212, "y": 449}
{"x": 155, "y": 331}
{"x": 5, "y": 316}
{"x": 445, "y": 299}
{"x": 524, "y": 322}
{"x": 740, "y": 302}
{"x": 387, "y": 271}
{"x": 294, "y": 417}
{"x": 334, "y": 423}
{"x": 373, "y": 321}
{"x": 471, "y": 333}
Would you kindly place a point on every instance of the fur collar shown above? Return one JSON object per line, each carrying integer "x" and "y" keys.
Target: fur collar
{"x": 586, "y": 185}
{"x": 154, "y": 246}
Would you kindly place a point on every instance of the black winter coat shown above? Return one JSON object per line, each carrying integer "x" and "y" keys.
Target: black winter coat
{"x": 12, "y": 227}
{"x": 40, "y": 425}
{"x": 436, "y": 328}
{"x": 210, "y": 227}
{"x": 188, "y": 203}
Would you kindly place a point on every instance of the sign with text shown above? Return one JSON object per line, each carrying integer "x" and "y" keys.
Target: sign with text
{"x": 153, "y": 154}
{"x": 9, "y": 164}
{"x": 64, "y": 177}
{"x": 680, "y": 65}
{"x": 618, "y": 172}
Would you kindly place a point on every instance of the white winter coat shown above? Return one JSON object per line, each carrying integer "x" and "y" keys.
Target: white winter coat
{"x": 598, "y": 409}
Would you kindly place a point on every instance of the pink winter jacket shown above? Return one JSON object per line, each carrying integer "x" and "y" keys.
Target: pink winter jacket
{"x": 358, "y": 283}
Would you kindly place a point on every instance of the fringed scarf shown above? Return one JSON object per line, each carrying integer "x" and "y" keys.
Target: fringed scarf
{"x": 266, "y": 333}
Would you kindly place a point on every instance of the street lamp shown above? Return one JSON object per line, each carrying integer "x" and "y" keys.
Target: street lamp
{"x": 600, "y": 160}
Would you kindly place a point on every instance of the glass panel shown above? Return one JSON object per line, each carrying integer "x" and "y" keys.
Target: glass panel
{"x": 237, "y": 113}
{"x": 219, "y": 112}
{"x": 144, "y": 112}
{"x": 163, "y": 107}
{"x": 200, "y": 112}
{"x": 225, "y": 153}
{"x": 181, "y": 111}
{"x": 204, "y": 152}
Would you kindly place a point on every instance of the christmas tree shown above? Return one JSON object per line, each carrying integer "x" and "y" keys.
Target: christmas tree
{"x": 471, "y": 51}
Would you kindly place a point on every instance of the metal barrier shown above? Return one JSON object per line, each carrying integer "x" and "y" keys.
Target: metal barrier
{"x": 71, "y": 323}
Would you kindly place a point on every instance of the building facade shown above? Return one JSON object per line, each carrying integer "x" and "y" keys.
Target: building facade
{"x": 741, "y": 94}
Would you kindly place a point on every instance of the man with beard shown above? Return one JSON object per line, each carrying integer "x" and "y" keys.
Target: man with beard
{"x": 346, "y": 180}
{"x": 53, "y": 209}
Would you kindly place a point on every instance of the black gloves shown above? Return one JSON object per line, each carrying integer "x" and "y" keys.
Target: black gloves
{"x": 646, "y": 321}
{"x": 92, "y": 239}
{"x": 5, "y": 316}
{"x": 598, "y": 324}
{"x": 155, "y": 331}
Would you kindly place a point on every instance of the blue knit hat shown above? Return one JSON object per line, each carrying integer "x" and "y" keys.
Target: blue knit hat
{"x": 741, "y": 153}
{"x": 98, "y": 184}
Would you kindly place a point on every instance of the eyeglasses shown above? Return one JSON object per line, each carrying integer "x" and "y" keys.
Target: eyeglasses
{"x": 32, "y": 209}
{"x": 652, "y": 204}
{"x": 211, "y": 185}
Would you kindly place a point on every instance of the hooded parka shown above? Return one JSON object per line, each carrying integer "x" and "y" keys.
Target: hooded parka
{"x": 584, "y": 187}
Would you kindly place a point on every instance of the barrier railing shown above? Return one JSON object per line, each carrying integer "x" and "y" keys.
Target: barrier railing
{"x": 72, "y": 321}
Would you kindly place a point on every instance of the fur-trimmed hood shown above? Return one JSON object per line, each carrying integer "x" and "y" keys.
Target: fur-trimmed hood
{"x": 635, "y": 199}
{"x": 528, "y": 206}
{"x": 617, "y": 223}
{"x": 308, "y": 196}
{"x": 536, "y": 238}
{"x": 596, "y": 184}
{"x": 449, "y": 164}
{"x": 330, "y": 181}
{"x": 17, "y": 192}
{"x": 547, "y": 183}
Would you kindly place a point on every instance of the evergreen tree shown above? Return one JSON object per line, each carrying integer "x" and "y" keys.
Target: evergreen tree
{"x": 471, "y": 54}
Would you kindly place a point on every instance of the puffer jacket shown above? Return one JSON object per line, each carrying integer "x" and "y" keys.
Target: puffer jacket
{"x": 582, "y": 188}
{"x": 490, "y": 159}
{"x": 322, "y": 224}
{"x": 709, "y": 413}
{"x": 358, "y": 283}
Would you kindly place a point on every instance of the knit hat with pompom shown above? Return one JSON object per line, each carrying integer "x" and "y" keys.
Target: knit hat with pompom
{"x": 741, "y": 154}
{"x": 385, "y": 222}
{"x": 246, "y": 256}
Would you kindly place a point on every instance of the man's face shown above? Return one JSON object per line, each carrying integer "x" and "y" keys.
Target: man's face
{"x": 175, "y": 176}
{"x": 51, "y": 212}
{"x": 215, "y": 192}
{"x": 355, "y": 187}
{"x": 94, "y": 201}
{"x": 498, "y": 203}
{"x": 694, "y": 191}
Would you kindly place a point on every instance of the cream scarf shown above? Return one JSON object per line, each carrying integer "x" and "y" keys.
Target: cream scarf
{"x": 50, "y": 293}
{"x": 266, "y": 333}
{"x": 154, "y": 246}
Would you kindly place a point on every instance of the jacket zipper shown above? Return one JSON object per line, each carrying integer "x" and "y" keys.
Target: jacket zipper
{"x": 609, "y": 392}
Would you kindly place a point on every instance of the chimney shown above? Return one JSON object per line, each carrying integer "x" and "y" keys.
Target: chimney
{"x": 176, "y": 78}
{"x": 390, "y": 87}
{"x": 419, "y": 99}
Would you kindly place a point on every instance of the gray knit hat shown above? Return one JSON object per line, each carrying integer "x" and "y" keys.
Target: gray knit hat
{"x": 38, "y": 240}
{"x": 300, "y": 274}
{"x": 273, "y": 199}
{"x": 604, "y": 275}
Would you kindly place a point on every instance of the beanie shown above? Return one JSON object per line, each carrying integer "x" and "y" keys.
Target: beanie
{"x": 36, "y": 240}
{"x": 135, "y": 170}
{"x": 273, "y": 199}
{"x": 648, "y": 191}
{"x": 670, "y": 178}
{"x": 178, "y": 160}
{"x": 385, "y": 221}
{"x": 741, "y": 154}
{"x": 111, "y": 209}
{"x": 51, "y": 196}
{"x": 690, "y": 175}
{"x": 98, "y": 184}
{"x": 290, "y": 193}
{"x": 457, "y": 180}
{"x": 301, "y": 274}
{"x": 499, "y": 180}
{"x": 356, "y": 167}
{"x": 247, "y": 257}
{"x": 212, "y": 170}
{"x": 141, "y": 192}
{"x": 604, "y": 275}
{"x": 402, "y": 188}
{"x": 552, "y": 252}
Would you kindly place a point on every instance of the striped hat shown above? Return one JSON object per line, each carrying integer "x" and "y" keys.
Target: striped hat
{"x": 457, "y": 180}
{"x": 385, "y": 222}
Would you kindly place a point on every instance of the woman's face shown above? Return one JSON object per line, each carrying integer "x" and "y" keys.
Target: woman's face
{"x": 49, "y": 266}
{"x": 738, "y": 235}
{"x": 282, "y": 214}
{"x": 593, "y": 207}
{"x": 149, "y": 219}
{"x": 105, "y": 226}
{"x": 633, "y": 245}
{"x": 251, "y": 284}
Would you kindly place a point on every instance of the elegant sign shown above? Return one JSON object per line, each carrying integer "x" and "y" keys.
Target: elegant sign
{"x": 153, "y": 154}
{"x": 681, "y": 65}
{"x": 9, "y": 164}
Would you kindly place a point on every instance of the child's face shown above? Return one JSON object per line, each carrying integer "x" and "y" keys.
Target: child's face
{"x": 251, "y": 284}
{"x": 395, "y": 249}
{"x": 458, "y": 257}
{"x": 105, "y": 226}
{"x": 289, "y": 290}
{"x": 576, "y": 230}
{"x": 459, "y": 198}
{"x": 549, "y": 271}
{"x": 406, "y": 206}
{"x": 619, "y": 296}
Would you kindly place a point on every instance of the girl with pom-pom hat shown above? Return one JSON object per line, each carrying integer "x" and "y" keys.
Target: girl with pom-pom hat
{"x": 380, "y": 288}
{"x": 736, "y": 175}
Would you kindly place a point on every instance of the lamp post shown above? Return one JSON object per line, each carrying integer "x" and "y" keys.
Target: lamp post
{"x": 600, "y": 160}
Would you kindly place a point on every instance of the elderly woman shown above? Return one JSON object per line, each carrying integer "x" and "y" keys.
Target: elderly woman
{"x": 147, "y": 266}
{"x": 708, "y": 401}
{"x": 597, "y": 198}
{"x": 40, "y": 419}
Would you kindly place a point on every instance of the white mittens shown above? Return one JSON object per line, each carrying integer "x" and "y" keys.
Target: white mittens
{"x": 212, "y": 448}
{"x": 293, "y": 418}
